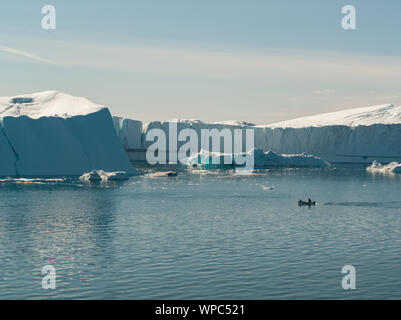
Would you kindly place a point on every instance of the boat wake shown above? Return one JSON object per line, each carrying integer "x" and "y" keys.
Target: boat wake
{"x": 390, "y": 204}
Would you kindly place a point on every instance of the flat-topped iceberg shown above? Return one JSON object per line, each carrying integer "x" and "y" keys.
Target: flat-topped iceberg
{"x": 54, "y": 134}
{"x": 358, "y": 135}
{"x": 354, "y": 135}
{"x": 261, "y": 159}
{"x": 376, "y": 167}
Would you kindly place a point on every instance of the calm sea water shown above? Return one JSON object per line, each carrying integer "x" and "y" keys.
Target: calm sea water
{"x": 203, "y": 236}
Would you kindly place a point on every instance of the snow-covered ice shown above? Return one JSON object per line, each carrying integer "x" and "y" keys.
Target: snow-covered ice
{"x": 31, "y": 181}
{"x": 54, "y": 134}
{"x": 376, "y": 167}
{"x": 366, "y": 116}
{"x": 100, "y": 175}
{"x": 46, "y": 104}
{"x": 163, "y": 174}
{"x": 91, "y": 176}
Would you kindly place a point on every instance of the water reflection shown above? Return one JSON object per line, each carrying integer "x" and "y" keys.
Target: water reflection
{"x": 69, "y": 227}
{"x": 209, "y": 235}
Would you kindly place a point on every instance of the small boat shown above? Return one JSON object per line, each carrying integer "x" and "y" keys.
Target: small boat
{"x": 306, "y": 203}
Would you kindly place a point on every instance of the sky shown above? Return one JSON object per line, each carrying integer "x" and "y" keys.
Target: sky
{"x": 259, "y": 61}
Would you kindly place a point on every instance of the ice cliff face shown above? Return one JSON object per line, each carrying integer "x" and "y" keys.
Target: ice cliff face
{"x": 359, "y": 135}
{"x": 52, "y": 134}
{"x": 133, "y": 133}
{"x": 354, "y": 135}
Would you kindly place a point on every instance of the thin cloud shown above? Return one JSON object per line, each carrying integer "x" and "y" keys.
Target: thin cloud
{"x": 25, "y": 54}
{"x": 312, "y": 66}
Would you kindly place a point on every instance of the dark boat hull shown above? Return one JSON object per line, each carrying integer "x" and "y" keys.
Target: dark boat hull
{"x": 306, "y": 203}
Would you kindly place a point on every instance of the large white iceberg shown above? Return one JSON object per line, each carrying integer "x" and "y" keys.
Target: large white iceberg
{"x": 53, "y": 134}
{"x": 354, "y": 135}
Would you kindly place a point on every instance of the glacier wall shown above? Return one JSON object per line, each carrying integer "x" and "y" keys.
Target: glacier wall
{"x": 133, "y": 133}
{"x": 58, "y": 146}
{"x": 334, "y": 143}
{"x": 340, "y": 144}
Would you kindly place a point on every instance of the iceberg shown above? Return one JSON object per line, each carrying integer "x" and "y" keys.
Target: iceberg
{"x": 54, "y": 134}
{"x": 136, "y": 150}
{"x": 100, "y": 175}
{"x": 261, "y": 159}
{"x": 207, "y": 159}
{"x": 359, "y": 135}
{"x": 164, "y": 174}
{"x": 91, "y": 176}
{"x": 376, "y": 167}
{"x": 272, "y": 159}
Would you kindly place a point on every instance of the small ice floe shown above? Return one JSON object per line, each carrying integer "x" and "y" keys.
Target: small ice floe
{"x": 377, "y": 167}
{"x": 100, "y": 175}
{"x": 91, "y": 176}
{"x": 31, "y": 180}
{"x": 267, "y": 187}
{"x": 164, "y": 174}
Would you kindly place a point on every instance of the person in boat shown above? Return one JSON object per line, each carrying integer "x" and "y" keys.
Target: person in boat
{"x": 309, "y": 200}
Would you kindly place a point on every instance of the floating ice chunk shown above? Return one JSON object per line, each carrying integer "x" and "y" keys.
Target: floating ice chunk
{"x": 261, "y": 159}
{"x": 267, "y": 187}
{"x": 164, "y": 174}
{"x": 100, "y": 175}
{"x": 91, "y": 176}
{"x": 377, "y": 167}
{"x": 205, "y": 158}
{"x": 32, "y": 181}
{"x": 114, "y": 176}
{"x": 272, "y": 159}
